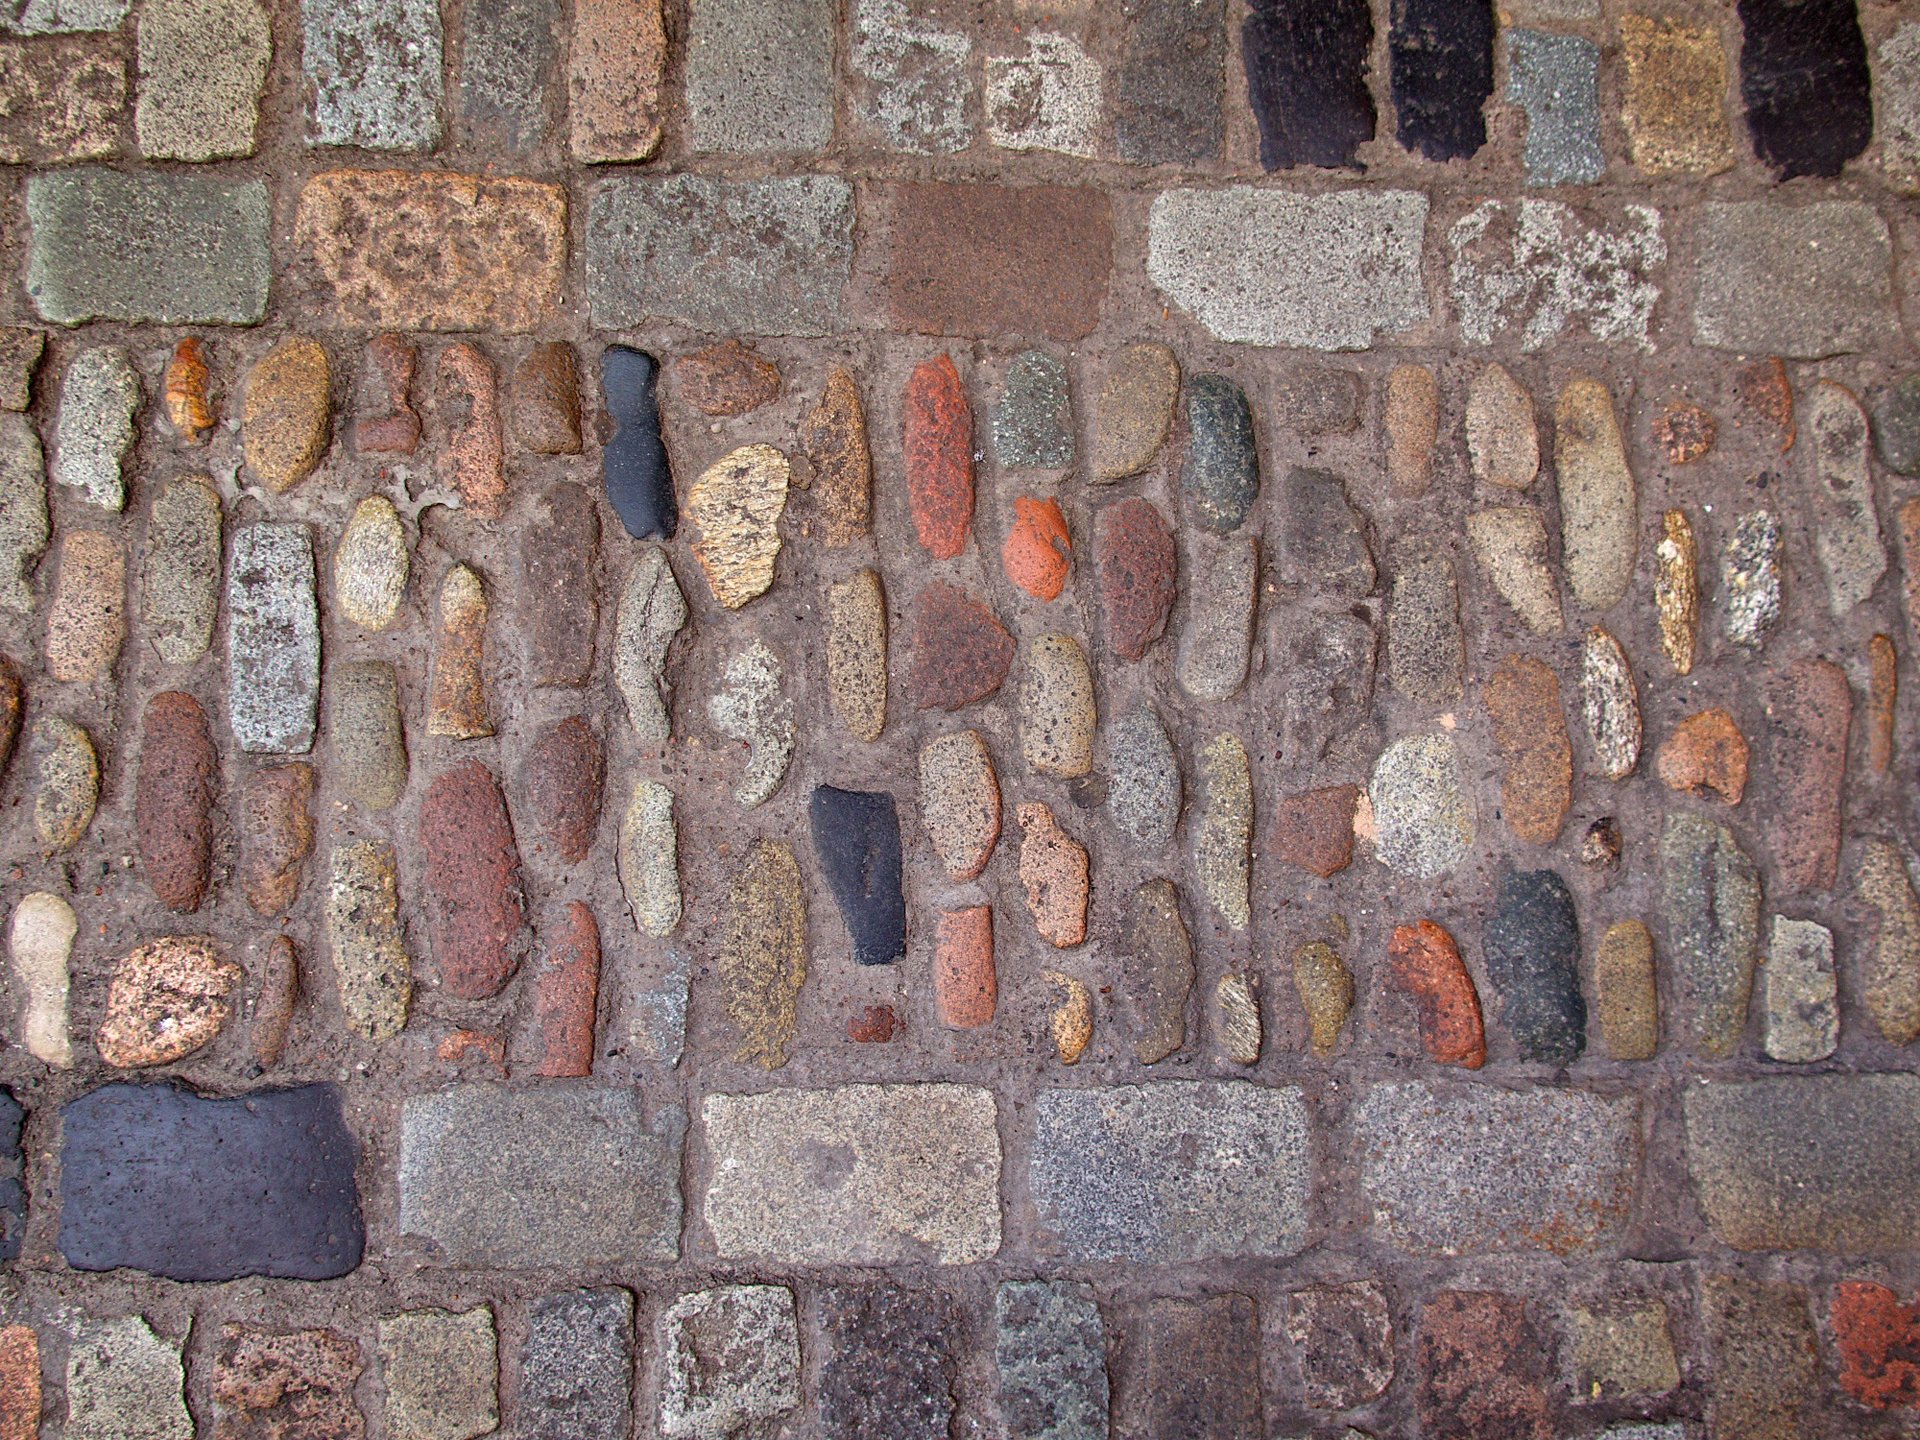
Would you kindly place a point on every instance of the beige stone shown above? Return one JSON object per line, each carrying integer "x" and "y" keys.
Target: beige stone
{"x": 763, "y": 957}
{"x": 457, "y": 707}
{"x": 88, "y": 617}
{"x": 1626, "y": 997}
{"x": 1675, "y": 100}
{"x": 1133, "y": 410}
{"x": 650, "y": 859}
{"x": 1072, "y": 1019}
{"x": 180, "y": 583}
{"x": 1598, "y": 498}
{"x": 371, "y": 965}
{"x": 1057, "y": 716}
{"x": 67, "y": 787}
{"x": 1413, "y": 424}
{"x": 166, "y": 1000}
{"x": 1223, "y": 840}
{"x": 1326, "y": 993}
{"x": 370, "y": 567}
{"x": 857, "y": 653}
{"x": 40, "y": 943}
{"x": 1892, "y": 994}
{"x": 1676, "y": 590}
{"x": 1623, "y": 1348}
{"x": 286, "y": 418}
{"x": 736, "y": 504}
{"x": 1511, "y": 545}
{"x": 1503, "y": 440}
{"x": 1234, "y": 1018}
{"x": 960, "y": 802}
{"x": 619, "y": 50}
{"x": 442, "y": 1374}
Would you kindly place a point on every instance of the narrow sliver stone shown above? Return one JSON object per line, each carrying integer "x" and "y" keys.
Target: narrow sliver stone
{"x": 639, "y": 481}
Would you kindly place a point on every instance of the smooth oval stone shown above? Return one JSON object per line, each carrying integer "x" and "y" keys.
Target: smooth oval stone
{"x": 1896, "y": 426}
{"x": 166, "y": 1000}
{"x": 1441, "y": 63}
{"x": 173, "y": 799}
{"x": 94, "y": 432}
{"x": 1223, "y": 848}
{"x": 67, "y": 783}
{"x": 1805, "y": 83}
{"x": 1221, "y": 476}
{"x": 457, "y": 695}
{"x": 369, "y": 750}
{"x": 1532, "y": 945}
{"x": 857, "y": 653}
{"x": 960, "y": 802}
{"x": 1503, "y": 440}
{"x": 25, "y": 524}
{"x": 737, "y": 503}
{"x": 370, "y": 567}
{"x": 1423, "y": 818}
{"x": 563, "y": 779}
{"x": 1676, "y": 590}
{"x": 752, "y": 707}
{"x": 650, "y": 859}
{"x": 1710, "y": 901}
{"x": 1536, "y": 788}
{"x": 634, "y": 462}
{"x": 287, "y": 415}
{"x": 371, "y": 965}
{"x": 835, "y": 437}
{"x": 475, "y": 916}
{"x": 1750, "y": 577}
{"x": 1511, "y": 545}
{"x": 1037, "y": 554}
{"x": 652, "y": 611}
{"x": 1626, "y": 999}
{"x": 763, "y": 955}
{"x": 1159, "y": 972}
{"x": 1326, "y": 993}
{"x": 1611, "y": 703}
{"x": 1598, "y": 500}
{"x": 1057, "y": 716}
{"x": 856, "y": 842}
{"x": 180, "y": 589}
{"x": 1133, "y": 411}
{"x": 1306, "y": 63}
{"x": 40, "y": 942}
{"x": 1033, "y": 423}
{"x": 1143, "y": 778}
{"x": 1846, "y": 526}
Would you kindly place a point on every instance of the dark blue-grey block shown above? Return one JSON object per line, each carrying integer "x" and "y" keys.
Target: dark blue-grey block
{"x": 1533, "y": 958}
{"x": 856, "y": 838}
{"x": 1804, "y": 79}
{"x": 1441, "y": 58}
{"x": 639, "y": 480}
{"x": 13, "y": 1194}
{"x": 1306, "y": 63}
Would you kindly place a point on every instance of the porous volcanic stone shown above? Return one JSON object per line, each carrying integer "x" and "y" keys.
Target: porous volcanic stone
{"x": 752, "y": 709}
{"x": 371, "y": 965}
{"x": 736, "y": 503}
{"x": 369, "y": 748}
{"x": 203, "y": 64}
{"x": 856, "y": 842}
{"x": 1159, "y": 972}
{"x": 180, "y": 582}
{"x": 1050, "y": 1351}
{"x": 1424, "y": 961}
{"x": 1221, "y": 474}
{"x": 1143, "y": 778}
{"x": 20, "y": 1372}
{"x": 276, "y": 834}
{"x": 652, "y": 611}
{"x": 729, "y": 1359}
{"x": 834, "y": 434}
{"x": 1423, "y": 817}
{"x": 99, "y": 399}
{"x": 167, "y": 999}
{"x": 1137, "y": 564}
{"x": 1441, "y": 63}
{"x": 1626, "y": 997}
{"x": 1533, "y": 958}
{"x": 88, "y": 617}
{"x": 1054, "y": 874}
{"x": 1426, "y": 653}
{"x": 760, "y": 77}
{"x": 558, "y": 611}
{"x": 457, "y": 693}
{"x": 1809, "y": 714}
{"x": 1133, "y": 410}
{"x": 960, "y": 802}
{"x": 857, "y": 653}
{"x": 268, "y": 1384}
{"x": 633, "y": 463}
{"x": 576, "y": 1373}
{"x": 1523, "y": 702}
{"x": 649, "y": 859}
{"x": 959, "y": 651}
{"x": 1033, "y": 423}
{"x": 475, "y": 916}
{"x": 122, "y": 1380}
{"x": 763, "y": 959}
{"x": 273, "y": 640}
{"x": 1710, "y": 901}
{"x": 1057, "y": 716}
{"x": 1306, "y": 69}
{"x": 1188, "y": 1367}
{"x": 965, "y": 984}
{"x": 566, "y": 990}
{"x": 1411, "y": 418}
{"x": 1874, "y": 1334}
{"x": 173, "y": 799}
{"x": 1684, "y": 432}
{"x": 1892, "y": 978}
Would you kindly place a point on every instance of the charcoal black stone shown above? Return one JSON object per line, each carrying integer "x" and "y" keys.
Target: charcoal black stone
{"x": 1533, "y": 958}
{"x": 1166, "y": 96}
{"x": 1307, "y": 80}
{"x": 1441, "y": 56}
{"x": 1221, "y": 476}
{"x": 157, "y": 1178}
{"x": 856, "y": 837}
{"x": 1804, "y": 79}
{"x": 890, "y": 1365}
{"x": 13, "y": 1195}
{"x": 639, "y": 480}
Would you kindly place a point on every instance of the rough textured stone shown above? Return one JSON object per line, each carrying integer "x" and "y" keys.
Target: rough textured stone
{"x": 566, "y": 989}
{"x": 1411, "y": 417}
{"x": 273, "y": 993}
{"x": 543, "y": 401}
{"x": 88, "y": 617}
{"x": 20, "y": 1392}
{"x": 276, "y": 834}
{"x": 1159, "y": 970}
{"x": 1511, "y": 545}
{"x": 13, "y": 703}
{"x": 1750, "y": 573}
{"x": 99, "y": 399}
{"x": 1103, "y": 1190}
{"x": 891, "y": 1370}
{"x": 1875, "y": 1334}
{"x": 1426, "y": 653}
{"x": 509, "y": 53}
{"x": 1676, "y": 590}
{"x": 1426, "y": 964}
{"x": 441, "y": 1374}
{"x": 1809, "y": 713}
{"x": 1143, "y": 778}
{"x": 914, "y": 79}
{"x": 752, "y": 708}
{"x": 937, "y": 450}
{"x": 1166, "y": 93}
{"x": 1038, "y": 552}
{"x": 759, "y": 77}
{"x": 576, "y": 1373}
{"x": 857, "y": 653}
{"x": 1611, "y": 704}
{"x": 1896, "y": 102}
{"x": 123, "y": 1380}
{"x": 25, "y": 524}
{"x": 1532, "y": 943}
{"x": 387, "y": 422}
{"x": 63, "y": 98}
{"x": 1306, "y": 81}
{"x": 372, "y": 969}
{"x": 173, "y": 799}
{"x": 1343, "y": 1341}
{"x": 652, "y": 612}
{"x": 180, "y": 582}
{"x": 1482, "y": 1369}
{"x": 1216, "y": 636}
{"x": 1314, "y": 831}
{"x": 167, "y": 248}
{"x": 1710, "y": 900}
{"x": 269, "y": 1384}
{"x": 614, "y": 102}
{"x": 1846, "y": 528}
{"x": 20, "y": 352}
{"x": 1803, "y": 281}
{"x": 633, "y": 462}
{"x": 1803, "y": 77}
{"x": 960, "y": 802}
{"x": 1188, "y": 1367}
{"x": 167, "y": 999}
{"x": 159, "y": 1179}
{"x": 474, "y": 911}
{"x": 727, "y": 379}
{"x": 1626, "y": 999}
{"x": 1685, "y": 432}
{"x": 1223, "y": 843}
{"x": 273, "y": 640}
{"x": 1133, "y": 410}
{"x": 202, "y": 68}
{"x": 1598, "y": 499}
{"x": 1048, "y": 98}
{"x": 1033, "y": 422}
{"x": 1764, "y": 1356}
{"x": 39, "y": 943}
{"x": 763, "y": 960}
{"x": 1536, "y": 788}
{"x": 1220, "y": 476}
{"x": 649, "y": 859}
{"x": 1896, "y": 425}
{"x": 965, "y": 983}
{"x": 1891, "y": 992}
{"x": 369, "y": 748}
{"x": 1054, "y": 874}
{"x": 729, "y": 1361}
{"x": 1556, "y": 80}
{"x": 856, "y": 842}
{"x": 563, "y": 779}
{"x": 1233, "y": 1018}
{"x": 1423, "y": 818}
{"x": 1326, "y": 994}
{"x": 558, "y": 611}
{"x": 1057, "y": 714}
{"x": 1622, "y": 1348}
{"x": 1802, "y": 1019}
{"x": 737, "y": 502}
{"x": 457, "y": 693}
{"x": 374, "y": 69}
{"x": 1050, "y": 1354}
{"x": 1329, "y": 660}
{"x": 1883, "y": 699}
{"x": 66, "y": 783}
{"x": 834, "y": 434}
{"x": 1137, "y": 564}
{"x": 1541, "y": 267}
{"x": 959, "y": 652}
{"x": 1674, "y": 105}
{"x": 1071, "y": 1022}
{"x": 472, "y": 456}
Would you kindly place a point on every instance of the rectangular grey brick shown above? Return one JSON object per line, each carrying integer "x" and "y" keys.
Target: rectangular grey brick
{"x": 509, "y": 56}
{"x": 576, "y": 1374}
{"x": 760, "y": 76}
{"x": 273, "y": 640}
{"x": 373, "y": 68}
{"x": 1801, "y": 281}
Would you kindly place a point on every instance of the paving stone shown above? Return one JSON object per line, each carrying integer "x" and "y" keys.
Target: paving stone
{"x": 474, "y": 911}
{"x": 856, "y": 842}
{"x": 729, "y": 1360}
{"x": 1426, "y": 964}
{"x": 1804, "y": 81}
{"x": 1532, "y": 942}
{"x": 1050, "y": 1355}
{"x": 1710, "y": 900}
{"x": 173, "y": 799}
{"x": 1556, "y": 80}
{"x": 1222, "y": 846}
{"x": 1423, "y": 817}
{"x": 441, "y": 1373}
{"x": 202, "y": 70}
{"x": 1216, "y": 636}
{"x": 1323, "y": 539}
{"x": 1676, "y": 590}
{"x": 1846, "y": 528}
{"x": 1883, "y": 698}
{"x": 1674, "y": 103}
{"x": 563, "y": 780}
{"x": 369, "y": 749}
{"x": 64, "y": 100}
{"x": 763, "y": 961}
{"x": 124, "y": 1380}
{"x": 1441, "y": 64}
{"x": 1874, "y": 1335}
{"x": 1267, "y": 267}
{"x": 1233, "y": 1019}
{"x": 576, "y": 1372}
{"x": 752, "y": 708}
{"x": 1891, "y": 992}
{"x": 371, "y": 965}
{"x": 1071, "y": 1022}
{"x": 857, "y": 653}
{"x": 655, "y": 1012}
{"x": 959, "y": 652}
{"x": 652, "y": 612}
{"x": 1306, "y": 81}
{"x": 167, "y": 999}
{"x": 25, "y": 525}
{"x": 1750, "y": 572}
{"x": 1896, "y": 425}
{"x": 1033, "y": 421}
{"x": 766, "y": 1199}
{"x": 1460, "y": 1170}
{"x": 937, "y": 447}
{"x": 1329, "y": 661}
{"x": 1326, "y": 993}
{"x": 752, "y": 257}
{"x": 1809, "y": 712}
{"x": 1048, "y": 98}
{"x": 87, "y": 620}
{"x": 1220, "y": 476}
{"x": 835, "y": 437}
{"x": 472, "y": 455}
{"x": 13, "y": 702}
{"x": 298, "y": 1384}
{"x": 1106, "y": 1183}
{"x": 1598, "y": 499}
{"x": 1411, "y": 418}
{"x": 1137, "y": 563}
{"x": 965, "y": 983}
{"x": 1896, "y": 101}
{"x": 558, "y": 611}
{"x": 1626, "y": 999}
{"x": 1622, "y": 1348}
{"x": 1054, "y": 874}
{"x": 274, "y": 992}
{"x": 20, "y": 351}
{"x": 1802, "y": 1018}
{"x": 1685, "y": 432}
{"x": 914, "y": 81}
{"x": 614, "y": 101}
{"x": 960, "y": 802}
{"x": 99, "y": 398}
{"x": 1610, "y": 701}
{"x": 287, "y": 417}
{"x": 1482, "y": 1369}
{"x": 1511, "y": 545}
{"x": 1167, "y": 89}
{"x": 649, "y": 859}
{"x": 457, "y": 692}
{"x": 1134, "y": 408}
{"x": 159, "y": 1179}
{"x": 1540, "y": 267}
{"x": 759, "y": 76}
{"x": 180, "y": 584}
{"x": 543, "y": 401}
{"x": 1764, "y": 1356}
{"x": 1057, "y": 716}
{"x": 559, "y": 1040}
{"x": 891, "y": 1370}
{"x": 1316, "y": 400}
{"x": 1314, "y": 831}
{"x": 276, "y": 834}
{"x": 1037, "y": 553}
{"x": 273, "y": 639}
{"x": 1188, "y": 1367}
{"x": 1159, "y": 969}
{"x": 374, "y": 71}
{"x": 1143, "y": 778}
{"x": 736, "y": 503}
{"x": 1343, "y": 1342}
{"x": 387, "y": 422}
{"x": 1426, "y": 654}
{"x": 39, "y": 943}
{"x": 66, "y": 783}
{"x": 727, "y": 379}
{"x": 1804, "y": 281}
{"x": 509, "y": 53}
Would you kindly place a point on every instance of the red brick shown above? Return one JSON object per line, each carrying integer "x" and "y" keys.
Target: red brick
{"x": 1038, "y": 552}
{"x": 563, "y": 780}
{"x": 19, "y": 1383}
{"x": 1315, "y": 831}
{"x": 1482, "y": 1370}
{"x": 474, "y": 913}
{"x": 1810, "y": 708}
{"x": 1523, "y": 701}
{"x": 566, "y": 992}
{"x": 1879, "y": 1343}
{"x": 964, "y": 988}
{"x": 276, "y": 834}
{"x": 1706, "y": 752}
{"x": 989, "y": 260}
{"x": 937, "y": 438}
{"x": 1427, "y": 965}
{"x": 388, "y": 423}
{"x": 1137, "y": 569}
{"x": 959, "y": 651}
{"x": 727, "y": 379}
{"x": 473, "y": 460}
{"x": 296, "y": 1385}
{"x": 173, "y": 799}
{"x": 874, "y": 1025}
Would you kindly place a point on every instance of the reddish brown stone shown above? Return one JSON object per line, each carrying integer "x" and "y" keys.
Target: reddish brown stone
{"x": 388, "y": 423}
{"x": 1188, "y": 1369}
{"x": 1883, "y": 699}
{"x": 960, "y": 651}
{"x": 276, "y": 986}
{"x": 619, "y": 53}
{"x": 1810, "y": 708}
{"x": 188, "y": 408}
{"x": 173, "y": 800}
{"x": 1482, "y": 1370}
{"x": 558, "y": 612}
{"x": 937, "y": 439}
{"x": 1684, "y": 432}
{"x": 874, "y": 1025}
{"x": 1706, "y": 752}
{"x": 461, "y": 1046}
{"x": 562, "y": 779}
{"x": 276, "y": 835}
{"x": 1763, "y": 388}
{"x": 727, "y": 379}
{"x": 474, "y": 913}
{"x": 19, "y": 1383}
{"x": 1038, "y": 552}
{"x": 474, "y": 459}
{"x": 964, "y": 987}
{"x": 1523, "y": 701}
{"x": 1879, "y": 1343}
{"x": 1426, "y": 964}
{"x": 13, "y": 708}
{"x": 835, "y": 436}
{"x": 566, "y": 992}
{"x": 1137, "y": 568}
{"x": 543, "y": 403}
{"x": 1055, "y": 875}
{"x": 992, "y": 260}
{"x": 296, "y": 1385}
{"x": 1315, "y": 831}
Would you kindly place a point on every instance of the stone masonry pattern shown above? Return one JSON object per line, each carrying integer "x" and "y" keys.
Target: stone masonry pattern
{"x": 959, "y": 719}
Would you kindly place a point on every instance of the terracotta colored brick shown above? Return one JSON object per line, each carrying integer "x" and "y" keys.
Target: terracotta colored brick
{"x": 729, "y": 378}
{"x": 619, "y": 52}
{"x": 1482, "y": 1370}
{"x": 964, "y": 988}
{"x": 1523, "y": 701}
{"x": 937, "y": 437}
{"x": 1810, "y": 709}
{"x": 388, "y": 423}
{"x": 1315, "y": 831}
{"x": 1137, "y": 563}
{"x": 1879, "y": 1343}
{"x": 474, "y": 913}
{"x": 566, "y": 992}
{"x": 960, "y": 651}
{"x": 473, "y": 459}
{"x": 563, "y": 779}
{"x": 173, "y": 799}
{"x": 276, "y": 834}
{"x": 19, "y": 1383}
{"x": 997, "y": 260}
{"x": 1706, "y": 752}
{"x": 543, "y": 403}
{"x": 874, "y": 1025}
{"x": 1427, "y": 965}
{"x": 1038, "y": 552}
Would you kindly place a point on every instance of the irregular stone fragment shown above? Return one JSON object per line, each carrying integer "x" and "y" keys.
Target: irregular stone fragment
{"x": 369, "y": 747}
{"x": 1599, "y": 516}
{"x": 1314, "y": 831}
{"x": 1423, "y": 817}
{"x": 1676, "y": 590}
{"x": 1323, "y": 539}
{"x": 543, "y": 402}
{"x": 1167, "y": 90}
{"x": 1764, "y": 389}
{"x": 1846, "y": 528}
{"x": 475, "y": 914}
{"x": 938, "y": 454}
{"x": 167, "y": 1000}
{"x": 188, "y": 408}
{"x": 1540, "y": 267}
{"x": 1412, "y": 421}
{"x": 173, "y": 800}
{"x": 1046, "y": 99}
{"x": 286, "y": 417}
{"x": 373, "y": 73}
{"x": 1425, "y": 962}
{"x": 959, "y": 651}
{"x": 916, "y": 81}
{"x": 1233, "y": 1017}
{"x": 1426, "y": 653}
{"x": 1221, "y": 473}
{"x": 1442, "y": 75}
{"x": 1189, "y": 1367}
{"x": 276, "y": 835}
{"x": 1532, "y": 945}
{"x": 856, "y": 840}
{"x": 559, "y": 609}
{"x": 93, "y": 435}
{"x": 1675, "y": 105}
{"x": 1216, "y": 637}
{"x": 457, "y": 696}
{"x": 66, "y": 783}
{"x": 1037, "y": 552}
{"x": 1874, "y": 1334}
{"x": 1054, "y": 874}
{"x": 1482, "y": 1369}
{"x": 649, "y": 859}
{"x": 1710, "y": 901}
{"x": 1883, "y": 696}
{"x": 1072, "y": 1019}
{"x": 1750, "y": 573}
{"x": 273, "y": 640}
{"x": 1611, "y": 703}
{"x": 960, "y": 802}
{"x": 473, "y": 457}
{"x": 834, "y": 435}
{"x": 1892, "y": 981}
{"x": 124, "y": 1380}
{"x": 1503, "y": 442}
{"x": 388, "y": 423}
{"x": 751, "y": 707}
{"x": 1800, "y": 281}
{"x": 180, "y": 586}
{"x": 1306, "y": 81}
{"x": 1222, "y": 848}
{"x": 1050, "y": 1353}
{"x": 1133, "y": 410}
{"x": 1625, "y": 995}
{"x": 729, "y": 1360}
{"x": 274, "y": 992}
{"x": 633, "y": 461}
{"x": 40, "y": 942}
{"x": 1143, "y": 778}
{"x": 1057, "y": 714}
{"x": 1556, "y": 80}
{"x": 1033, "y": 423}
{"x": 614, "y": 103}
{"x": 1523, "y": 702}
{"x": 1326, "y": 993}
{"x": 763, "y": 958}
{"x": 652, "y": 612}
{"x": 562, "y": 778}
{"x": 295, "y": 1384}
{"x": 1810, "y": 710}
{"x": 1802, "y": 1019}
{"x": 1160, "y": 972}
{"x": 874, "y": 1025}
{"x": 1804, "y": 81}
{"x": 20, "y": 352}
{"x": 1896, "y": 425}
{"x": 1137, "y": 564}
{"x": 441, "y": 1374}
{"x": 857, "y": 653}
{"x": 1706, "y": 752}
{"x": 737, "y": 503}
{"x": 1684, "y": 432}
{"x": 1511, "y": 545}
{"x": 965, "y": 985}
{"x": 1600, "y": 849}
{"x": 371, "y": 965}
{"x": 25, "y": 525}
{"x": 88, "y": 619}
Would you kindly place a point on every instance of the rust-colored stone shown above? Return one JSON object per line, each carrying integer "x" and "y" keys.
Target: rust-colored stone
{"x": 1810, "y": 710}
{"x": 296, "y": 1385}
{"x": 1038, "y": 552}
{"x": 566, "y": 993}
{"x": 1315, "y": 831}
{"x": 728, "y": 378}
{"x": 543, "y": 403}
{"x": 1523, "y": 701}
{"x": 1684, "y": 432}
{"x": 1879, "y": 1343}
{"x": 874, "y": 1025}
{"x": 173, "y": 800}
{"x": 959, "y": 650}
{"x": 13, "y": 709}
{"x": 188, "y": 407}
{"x": 1055, "y": 875}
{"x": 1909, "y": 521}
{"x": 457, "y": 701}
{"x": 474, "y": 912}
{"x": 964, "y": 987}
{"x": 1482, "y": 1370}
{"x": 388, "y": 423}
{"x": 1767, "y": 394}
{"x": 563, "y": 779}
{"x": 1427, "y": 965}
{"x": 614, "y": 107}
{"x": 458, "y": 1047}
{"x": 1706, "y": 752}
{"x": 937, "y": 441}
{"x": 276, "y": 835}
{"x": 276, "y": 989}
{"x": 1137, "y": 563}
{"x": 19, "y": 1383}
{"x": 835, "y": 437}
{"x": 1883, "y": 698}
{"x": 473, "y": 460}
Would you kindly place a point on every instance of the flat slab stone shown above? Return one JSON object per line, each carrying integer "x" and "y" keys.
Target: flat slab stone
{"x": 273, "y": 640}
{"x": 855, "y": 1175}
{"x": 1804, "y": 81}
{"x": 1306, "y": 63}
{"x": 441, "y": 1373}
{"x": 1167, "y": 87}
{"x": 180, "y": 1185}
{"x": 1173, "y": 1171}
{"x": 1803, "y": 1013}
{"x": 509, "y": 56}
{"x": 913, "y": 82}
{"x": 759, "y": 76}
{"x": 1542, "y": 268}
{"x": 490, "y": 1177}
{"x": 1801, "y": 281}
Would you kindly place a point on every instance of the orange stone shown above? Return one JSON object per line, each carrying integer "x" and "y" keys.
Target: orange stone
{"x": 1706, "y": 752}
{"x": 1055, "y": 874}
{"x": 964, "y": 988}
{"x": 1427, "y": 965}
{"x": 1879, "y": 1343}
{"x": 1910, "y": 561}
{"x": 463, "y": 1045}
{"x": 1883, "y": 697}
{"x": 1684, "y": 432}
{"x": 473, "y": 460}
{"x": 938, "y": 443}
{"x": 1764, "y": 389}
{"x": 874, "y": 1025}
{"x": 619, "y": 50}
{"x": 187, "y": 378}
{"x": 566, "y": 991}
{"x": 1038, "y": 552}
{"x": 1523, "y": 700}
{"x": 19, "y": 1383}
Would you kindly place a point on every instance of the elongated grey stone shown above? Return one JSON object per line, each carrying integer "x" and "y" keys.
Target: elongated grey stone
{"x": 98, "y": 401}
{"x": 652, "y": 612}
{"x": 25, "y": 525}
{"x": 650, "y": 859}
{"x": 1599, "y": 512}
{"x": 1892, "y": 993}
{"x": 752, "y": 708}
{"x": 180, "y": 589}
{"x": 1803, "y": 1012}
{"x": 1216, "y": 635}
{"x": 1221, "y": 477}
{"x": 1710, "y": 898}
{"x": 1846, "y": 525}
{"x": 273, "y": 640}
{"x": 1143, "y": 778}
{"x": 1750, "y": 573}
{"x": 1426, "y": 654}
{"x": 1050, "y": 1349}
{"x": 576, "y": 1374}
